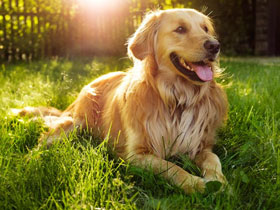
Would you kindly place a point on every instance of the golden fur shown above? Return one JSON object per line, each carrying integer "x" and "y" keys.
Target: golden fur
{"x": 154, "y": 110}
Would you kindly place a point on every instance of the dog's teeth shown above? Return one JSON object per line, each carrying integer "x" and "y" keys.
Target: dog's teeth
{"x": 182, "y": 61}
{"x": 190, "y": 68}
{"x": 186, "y": 65}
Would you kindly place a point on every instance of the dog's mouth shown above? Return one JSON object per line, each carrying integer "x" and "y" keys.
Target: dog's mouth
{"x": 197, "y": 71}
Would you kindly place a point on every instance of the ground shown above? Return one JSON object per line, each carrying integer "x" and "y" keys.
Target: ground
{"x": 81, "y": 174}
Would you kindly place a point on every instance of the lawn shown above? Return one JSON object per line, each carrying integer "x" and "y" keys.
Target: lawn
{"x": 78, "y": 173}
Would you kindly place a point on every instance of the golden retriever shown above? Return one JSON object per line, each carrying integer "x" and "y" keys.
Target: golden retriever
{"x": 167, "y": 104}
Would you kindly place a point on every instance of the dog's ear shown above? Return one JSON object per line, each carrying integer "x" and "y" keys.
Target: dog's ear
{"x": 141, "y": 43}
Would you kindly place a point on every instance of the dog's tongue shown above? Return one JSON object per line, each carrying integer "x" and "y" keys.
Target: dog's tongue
{"x": 203, "y": 71}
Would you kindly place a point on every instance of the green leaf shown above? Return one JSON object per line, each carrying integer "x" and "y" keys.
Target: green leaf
{"x": 244, "y": 177}
{"x": 213, "y": 186}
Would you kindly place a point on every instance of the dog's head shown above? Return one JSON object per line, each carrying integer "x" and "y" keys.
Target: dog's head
{"x": 182, "y": 40}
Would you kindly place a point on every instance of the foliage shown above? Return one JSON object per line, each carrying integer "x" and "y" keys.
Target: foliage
{"x": 78, "y": 173}
{"x": 32, "y": 29}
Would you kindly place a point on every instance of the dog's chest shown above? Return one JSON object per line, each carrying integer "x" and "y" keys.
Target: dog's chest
{"x": 179, "y": 131}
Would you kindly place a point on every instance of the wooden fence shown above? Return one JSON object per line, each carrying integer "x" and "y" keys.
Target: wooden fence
{"x": 32, "y": 29}
{"x": 28, "y": 32}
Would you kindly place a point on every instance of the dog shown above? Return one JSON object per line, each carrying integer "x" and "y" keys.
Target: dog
{"x": 167, "y": 104}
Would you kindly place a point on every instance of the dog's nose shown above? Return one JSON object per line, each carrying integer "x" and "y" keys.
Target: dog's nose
{"x": 212, "y": 46}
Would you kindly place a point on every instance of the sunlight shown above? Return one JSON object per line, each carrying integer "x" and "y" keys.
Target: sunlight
{"x": 97, "y": 3}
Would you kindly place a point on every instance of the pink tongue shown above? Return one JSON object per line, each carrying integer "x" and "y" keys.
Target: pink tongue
{"x": 203, "y": 72}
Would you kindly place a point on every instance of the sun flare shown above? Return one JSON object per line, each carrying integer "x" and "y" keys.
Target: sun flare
{"x": 96, "y": 3}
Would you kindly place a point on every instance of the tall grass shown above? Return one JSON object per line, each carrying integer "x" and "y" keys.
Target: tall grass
{"x": 79, "y": 173}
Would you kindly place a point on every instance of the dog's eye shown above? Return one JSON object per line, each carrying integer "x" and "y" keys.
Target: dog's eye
{"x": 181, "y": 30}
{"x": 205, "y": 28}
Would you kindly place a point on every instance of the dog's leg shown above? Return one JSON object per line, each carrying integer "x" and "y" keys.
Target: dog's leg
{"x": 210, "y": 165}
{"x": 58, "y": 126}
{"x": 171, "y": 172}
{"x": 37, "y": 111}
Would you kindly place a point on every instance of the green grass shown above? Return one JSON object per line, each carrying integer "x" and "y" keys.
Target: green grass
{"x": 78, "y": 173}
